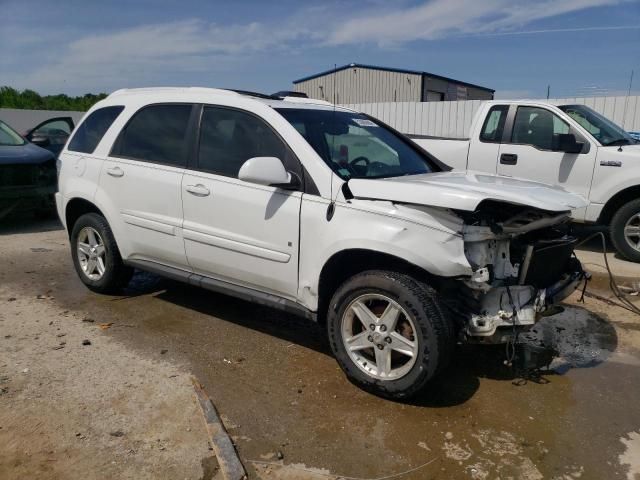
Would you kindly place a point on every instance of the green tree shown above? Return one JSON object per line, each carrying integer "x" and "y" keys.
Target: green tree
{"x": 29, "y": 99}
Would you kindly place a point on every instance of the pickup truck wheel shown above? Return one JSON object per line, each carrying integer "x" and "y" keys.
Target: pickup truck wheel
{"x": 96, "y": 257}
{"x": 388, "y": 333}
{"x": 625, "y": 230}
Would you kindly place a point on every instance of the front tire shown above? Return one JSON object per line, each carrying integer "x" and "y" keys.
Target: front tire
{"x": 96, "y": 257}
{"x": 388, "y": 332}
{"x": 625, "y": 230}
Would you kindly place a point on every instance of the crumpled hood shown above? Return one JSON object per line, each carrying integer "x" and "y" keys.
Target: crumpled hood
{"x": 23, "y": 154}
{"x": 465, "y": 190}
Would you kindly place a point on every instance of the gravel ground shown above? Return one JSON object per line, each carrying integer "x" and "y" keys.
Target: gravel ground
{"x": 123, "y": 406}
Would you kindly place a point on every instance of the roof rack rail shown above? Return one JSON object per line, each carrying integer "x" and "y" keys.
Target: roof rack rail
{"x": 289, "y": 93}
{"x": 254, "y": 94}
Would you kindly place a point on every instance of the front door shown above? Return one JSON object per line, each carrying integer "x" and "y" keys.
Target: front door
{"x": 236, "y": 231}
{"x": 142, "y": 177}
{"x": 51, "y": 134}
{"x": 532, "y": 153}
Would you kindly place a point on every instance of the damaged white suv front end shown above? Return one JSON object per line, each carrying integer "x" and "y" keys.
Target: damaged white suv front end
{"x": 522, "y": 263}
{"x": 516, "y": 242}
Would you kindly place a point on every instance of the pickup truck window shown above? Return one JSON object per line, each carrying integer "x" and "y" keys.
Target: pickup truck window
{"x": 230, "y": 137}
{"x": 494, "y": 124}
{"x": 537, "y": 127}
{"x": 603, "y": 129}
{"x": 355, "y": 146}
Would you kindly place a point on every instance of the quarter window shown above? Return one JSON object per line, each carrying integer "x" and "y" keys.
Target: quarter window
{"x": 156, "y": 134}
{"x": 228, "y": 138}
{"x": 91, "y": 131}
{"x": 538, "y": 127}
{"x": 494, "y": 124}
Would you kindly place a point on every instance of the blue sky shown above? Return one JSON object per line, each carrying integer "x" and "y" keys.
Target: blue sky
{"x": 516, "y": 47}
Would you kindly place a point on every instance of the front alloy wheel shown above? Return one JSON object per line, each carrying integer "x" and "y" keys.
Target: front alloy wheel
{"x": 388, "y": 332}
{"x": 379, "y": 336}
{"x": 625, "y": 230}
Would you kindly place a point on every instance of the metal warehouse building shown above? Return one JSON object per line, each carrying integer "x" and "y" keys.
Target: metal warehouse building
{"x": 356, "y": 83}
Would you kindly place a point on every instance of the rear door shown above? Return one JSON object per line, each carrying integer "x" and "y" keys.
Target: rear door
{"x": 484, "y": 150}
{"x": 235, "y": 231}
{"x": 141, "y": 178}
{"x": 530, "y": 151}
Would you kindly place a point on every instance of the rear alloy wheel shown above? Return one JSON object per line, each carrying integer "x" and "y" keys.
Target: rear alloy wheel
{"x": 388, "y": 333}
{"x": 96, "y": 257}
{"x": 625, "y": 230}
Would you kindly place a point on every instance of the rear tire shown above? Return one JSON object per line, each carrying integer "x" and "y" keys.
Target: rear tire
{"x": 625, "y": 230}
{"x": 96, "y": 257}
{"x": 398, "y": 360}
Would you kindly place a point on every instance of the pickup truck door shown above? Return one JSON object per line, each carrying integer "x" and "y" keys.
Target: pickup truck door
{"x": 485, "y": 148}
{"x": 235, "y": 231}
{"x": 530, "y": 150}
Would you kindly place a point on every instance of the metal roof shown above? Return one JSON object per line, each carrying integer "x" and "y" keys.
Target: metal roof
{"x": 387, "y": 69}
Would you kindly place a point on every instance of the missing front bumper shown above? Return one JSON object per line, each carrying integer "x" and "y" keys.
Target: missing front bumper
{"x": 521, "y": 305}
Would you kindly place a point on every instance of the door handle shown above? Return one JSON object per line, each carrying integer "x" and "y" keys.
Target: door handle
{"x": 115, "y": 171}
{"x": 508, "y": 159}
{"x": 198, "y": 190}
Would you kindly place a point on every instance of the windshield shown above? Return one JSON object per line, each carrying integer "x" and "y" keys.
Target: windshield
{"x": 8, "y": 137}
{"x": 603, "y": 129}
{"x": 355, "y": 146}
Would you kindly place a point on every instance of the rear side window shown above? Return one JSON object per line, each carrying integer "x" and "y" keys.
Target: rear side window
{"x": 91, "y": 131}
{"x": 494, "y": 124}
{"x": 156, "y": 134}
{"x": 228, "y": 138}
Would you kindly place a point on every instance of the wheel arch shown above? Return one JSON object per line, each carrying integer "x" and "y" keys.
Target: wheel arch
{"x": 349, "y": 262}
{"x": 75, "y": 208}
{"x": 618, "y": 200}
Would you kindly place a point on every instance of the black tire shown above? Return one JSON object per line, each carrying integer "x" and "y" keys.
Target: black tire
{"x": 618, "y": 223}
{"x": 434, "y": 331}
{"x": 116, "y": 275}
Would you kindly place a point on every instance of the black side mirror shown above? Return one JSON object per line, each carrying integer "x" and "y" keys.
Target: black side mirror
{"x": 567, "y": 143}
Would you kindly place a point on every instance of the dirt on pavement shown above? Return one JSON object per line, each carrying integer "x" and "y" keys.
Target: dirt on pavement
{"x": 123, "y": 406}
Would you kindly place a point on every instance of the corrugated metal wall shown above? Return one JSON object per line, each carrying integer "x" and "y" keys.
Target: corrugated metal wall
{"x": 363, "y": 85}
{"x": 453, "y": 119}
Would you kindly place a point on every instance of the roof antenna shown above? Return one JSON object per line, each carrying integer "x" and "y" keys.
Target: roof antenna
{"x": 331, "y": 209}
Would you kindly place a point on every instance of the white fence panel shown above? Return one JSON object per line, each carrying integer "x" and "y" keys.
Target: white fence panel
{"x": 453, "y": 119}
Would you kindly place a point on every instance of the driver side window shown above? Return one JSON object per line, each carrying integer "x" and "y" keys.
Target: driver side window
{"x": 230, "y": 137}
{"x": 538, "y": 127}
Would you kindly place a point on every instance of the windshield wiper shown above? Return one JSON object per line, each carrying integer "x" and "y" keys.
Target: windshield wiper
{"x": 619, "y": 141}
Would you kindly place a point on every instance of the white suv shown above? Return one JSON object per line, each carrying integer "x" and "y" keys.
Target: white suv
{"x": 317, "y": 210}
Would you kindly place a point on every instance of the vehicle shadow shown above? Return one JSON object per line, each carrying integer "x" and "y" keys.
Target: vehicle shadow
{"x": 572, "y": 338}
{"x": 19, "y": 224}
{"x": 286, "y": 326}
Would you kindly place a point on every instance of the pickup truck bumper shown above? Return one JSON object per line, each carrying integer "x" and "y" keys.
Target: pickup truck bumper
{"x": 519, "y": 306}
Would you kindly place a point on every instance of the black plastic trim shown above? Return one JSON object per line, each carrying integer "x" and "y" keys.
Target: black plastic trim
{"x": 226, "y": 288}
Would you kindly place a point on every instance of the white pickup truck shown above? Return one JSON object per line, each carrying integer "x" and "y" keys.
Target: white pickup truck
{"x": 567, "y": 145}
